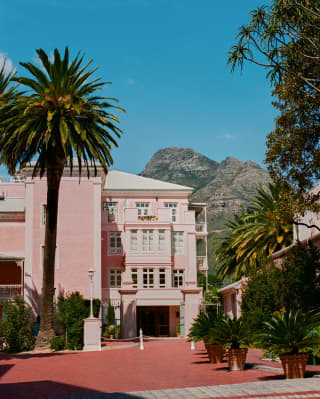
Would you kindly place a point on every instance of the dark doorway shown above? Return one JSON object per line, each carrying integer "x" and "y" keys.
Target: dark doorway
{"x": 154, "y": 320}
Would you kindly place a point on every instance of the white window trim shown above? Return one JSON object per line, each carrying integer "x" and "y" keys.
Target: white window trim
{"x": 43, "y": 216}
{"x": 161, "y": 241}
{"x": 178, "y": 273}
{"x": 56, "y": 259}
{"x": 149, "y": 272}
{"x": 115, "y": 206}
{"x": 177, "y": 250}
{"x": 131, "y": 235}
{"x": 149, "y": 245}
{"x": 117, "y": 272}
{"x": 165, "y": 277}
{"x": 136, "y": 272}
{"x": 174, "y": 206}
{"x": 145, "y": 210}
{"x": 115, "y": 251}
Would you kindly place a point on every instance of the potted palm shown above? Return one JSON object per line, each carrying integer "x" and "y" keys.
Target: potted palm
{"x": 291, "y": 335}
{"x": 201, "y": 330}
{"x": 234, "y": 333}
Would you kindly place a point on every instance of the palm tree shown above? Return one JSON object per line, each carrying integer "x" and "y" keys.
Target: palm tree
{"x": 7, "y": 92}
{"x": 59, "y": 118}
{"x": 253, "y": 235}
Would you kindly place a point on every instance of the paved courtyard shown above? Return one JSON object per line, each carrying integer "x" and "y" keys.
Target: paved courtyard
{"x": 165, "y": 369}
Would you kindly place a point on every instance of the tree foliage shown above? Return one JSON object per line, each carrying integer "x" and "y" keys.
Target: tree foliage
{"x": 16, "y": 326}
{"x": 59, "y": 118}
{"x": 71, "y": 311}
{"x": 284, "y": 38}
{"x": 292, "y": 284}
{"x": 253, "y": 234}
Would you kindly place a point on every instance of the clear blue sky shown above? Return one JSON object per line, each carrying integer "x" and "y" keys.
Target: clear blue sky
{"x": 167, "y": 62}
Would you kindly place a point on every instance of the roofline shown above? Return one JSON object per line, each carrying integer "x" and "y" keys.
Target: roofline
{"x": 235, "y": 285}
{"x": 284, "y": 251}
{"x": 147, "y": 189}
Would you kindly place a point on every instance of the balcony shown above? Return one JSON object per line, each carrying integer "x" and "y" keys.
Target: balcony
{"x": 10, "y": 291}
{"x": 201, "y": 228}
{"x": 161, "y": 216}
{"x": 202, "y": 263}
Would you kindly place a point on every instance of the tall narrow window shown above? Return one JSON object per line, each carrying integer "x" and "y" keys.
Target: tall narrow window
{"x": 134, "y": 240}
{"x": 162, "y": 278}
{"x": 134, "y": 276}
{"x": 173, "y": 211}
{"x": 177, "y": 242}
{"x": 43, "y": 214}
{"x": 112, "y": 209}
{"x": 178, "y": 278}
{"x": 161, "y": 240}
{"x": 147, "y": 240}
{"x": 148, "y": 277}
{"x": 115, "y": 278}
{"x": 143, "y": 208}
{"x": 115, "y": 242}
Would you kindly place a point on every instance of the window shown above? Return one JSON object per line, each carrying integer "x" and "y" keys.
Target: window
{"x": 162, "y": 278}
{"x": 162, "y": 238}
{"x": 147, "y": 240}
{"x": 133, "y": 240}
{"x": 56, "y": 258}
{"x": 115, "y": 242}
{"x": 178, "y": 278}
{"x": 43, "y": 214}
{"x": 112, "y": 209}
{"x": 134, "y": 277}
{"x": 143, "y": 208}
{"x": 148, "y": 277}
{"x": 177, "y": 242}
{"x": 115, "y": 278}
{"x": 173, "y": 211}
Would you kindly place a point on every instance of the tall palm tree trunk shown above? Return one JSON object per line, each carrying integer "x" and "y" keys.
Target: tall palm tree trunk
{"x": 54, "y": 174}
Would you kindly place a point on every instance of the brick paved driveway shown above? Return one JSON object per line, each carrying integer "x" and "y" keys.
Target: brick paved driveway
{"x": 162, "y": 365}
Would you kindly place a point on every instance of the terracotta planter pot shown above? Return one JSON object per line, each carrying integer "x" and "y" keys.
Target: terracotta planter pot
{"x": 294, "y": 366}
{"x": 215, "y": 353}
{"x": 237, "y": 358}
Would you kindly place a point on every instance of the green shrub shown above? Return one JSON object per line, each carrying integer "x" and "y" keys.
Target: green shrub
{"x": 71, "y": 311}
{"x": 16, "y": 326}
{"x": 57, "y": 343}
{"x": 110, "y": 315}
{"x": 290, "y": 332}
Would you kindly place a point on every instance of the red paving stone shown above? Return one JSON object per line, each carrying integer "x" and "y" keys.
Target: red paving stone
{"x": 162, "y": 365}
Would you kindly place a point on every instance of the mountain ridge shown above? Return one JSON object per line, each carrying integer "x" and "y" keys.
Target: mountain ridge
{"x": 224, "y": 186}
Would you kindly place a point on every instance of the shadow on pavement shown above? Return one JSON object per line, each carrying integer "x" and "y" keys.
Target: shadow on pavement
{"x": 4, "y": 368}
{"x": 55, "y": 390}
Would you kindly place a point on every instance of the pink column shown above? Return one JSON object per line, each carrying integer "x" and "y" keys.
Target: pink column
{"x": 191, "y": 306}
{"x": 128, "y": 313}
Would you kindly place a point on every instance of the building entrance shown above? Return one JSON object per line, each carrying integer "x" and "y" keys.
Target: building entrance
{"x": 154, "y": 320}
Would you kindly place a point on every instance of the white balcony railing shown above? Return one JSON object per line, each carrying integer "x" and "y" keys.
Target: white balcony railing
{"x": 201, "y": 227}
{"x": 10, "y": 291}
{"x": 202, "y": 263}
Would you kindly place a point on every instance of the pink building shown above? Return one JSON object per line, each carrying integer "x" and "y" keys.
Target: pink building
{"x": 139, "y": 234}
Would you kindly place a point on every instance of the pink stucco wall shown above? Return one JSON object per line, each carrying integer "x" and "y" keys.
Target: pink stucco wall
{"x": 83, "y": 242}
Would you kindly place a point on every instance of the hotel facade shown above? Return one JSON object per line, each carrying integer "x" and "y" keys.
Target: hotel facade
{"x": 146, "y": 242}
